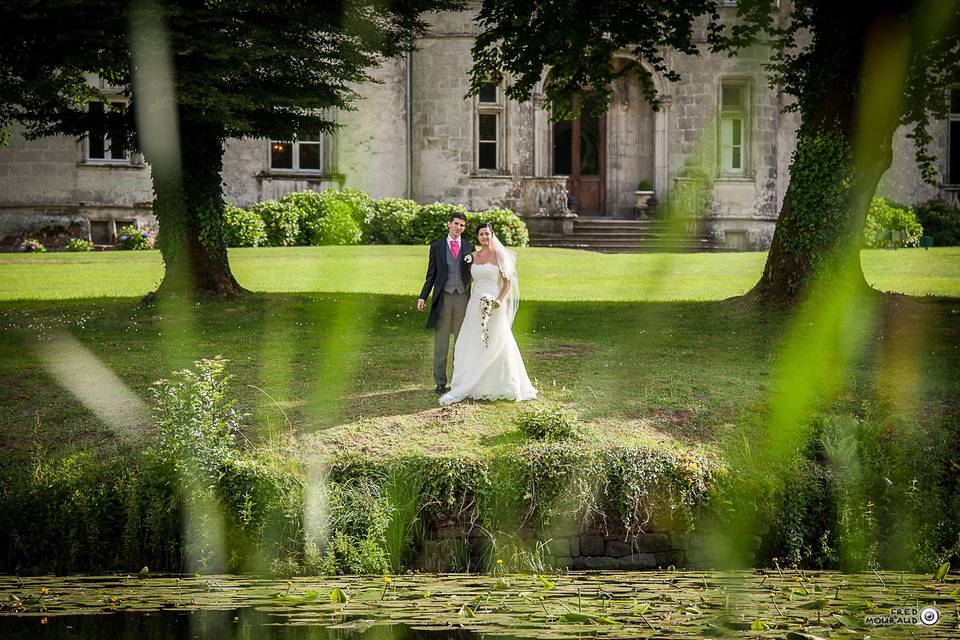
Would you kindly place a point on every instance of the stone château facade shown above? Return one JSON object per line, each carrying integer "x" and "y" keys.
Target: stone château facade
{"x": 415, "y": 135}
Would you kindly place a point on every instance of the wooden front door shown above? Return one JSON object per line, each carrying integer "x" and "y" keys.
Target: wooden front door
{"x": 579, "y": 151}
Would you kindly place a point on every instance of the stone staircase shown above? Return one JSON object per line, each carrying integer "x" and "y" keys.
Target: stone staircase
{"x": 609, "y": 235}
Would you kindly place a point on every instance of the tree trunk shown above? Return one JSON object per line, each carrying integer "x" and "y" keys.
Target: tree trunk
{"x": 843, "y": 149}
{"x": 188, "y": 204}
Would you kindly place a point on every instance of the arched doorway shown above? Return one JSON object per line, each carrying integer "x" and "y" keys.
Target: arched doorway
{"x": 579, "y": 152}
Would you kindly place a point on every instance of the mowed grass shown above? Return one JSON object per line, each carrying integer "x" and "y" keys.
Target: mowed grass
{"x": 546, "y": 274}
{"x": 604, "y": 336}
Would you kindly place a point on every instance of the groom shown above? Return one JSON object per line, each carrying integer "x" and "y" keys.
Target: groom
{"x": 448, "y": 275}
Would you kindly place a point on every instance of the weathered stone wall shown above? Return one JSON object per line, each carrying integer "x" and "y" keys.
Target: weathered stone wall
{"x": 48, "y": 191}
{"x": 367, "y": 152}
{"x": 902, "y": 181}
{"x": 454, "y": 548}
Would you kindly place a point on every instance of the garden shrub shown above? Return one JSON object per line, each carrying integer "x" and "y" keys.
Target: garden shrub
{"x": 325, "y": 218}
{"x": 359, "y": 204}
{"x": 310, "y": 210}
{"x": 941, "y": 220}
{"x": 431, "y": 221}
{"x": 281, "y": 221}
{"x": 32, "y": 245}
{"x": 244, "y": 228}
{"x": 79, "y": 245}
{"x": 886, "y": 215}
{"x": 390, "y": 221}
{"x": 508, "y": 226}
{"x": 130, "y": 238}
{"x": 551, "y": 424}
{"x": 337, "y": 227}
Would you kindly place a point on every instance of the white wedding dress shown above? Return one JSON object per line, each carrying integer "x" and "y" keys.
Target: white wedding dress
{"x": 494, "y": 370}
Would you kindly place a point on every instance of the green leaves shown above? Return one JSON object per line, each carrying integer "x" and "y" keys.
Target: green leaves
{"x": 574, "y": 617}
{"x": 338, "y": 595}
{"x": 545, "y": 583}
{"x": 942, "y": 571}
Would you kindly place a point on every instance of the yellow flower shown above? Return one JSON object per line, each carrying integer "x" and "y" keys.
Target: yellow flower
{"x": 499, "y": 561}
{"x": 387, "y": 580}
{"x": 44, "y": 591}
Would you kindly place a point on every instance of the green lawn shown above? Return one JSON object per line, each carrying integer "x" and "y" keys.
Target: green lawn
{"x": 546, "y": 274}
{"x": 601, "y": 334}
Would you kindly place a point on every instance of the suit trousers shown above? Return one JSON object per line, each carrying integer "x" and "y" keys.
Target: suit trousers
{"x": 451, "y": 317}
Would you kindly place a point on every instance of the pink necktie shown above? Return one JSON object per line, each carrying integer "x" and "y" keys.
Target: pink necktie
{"x": 455, "y": 249}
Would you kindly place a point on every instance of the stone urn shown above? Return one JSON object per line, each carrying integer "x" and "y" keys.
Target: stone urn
{"x": 644, "y": 198}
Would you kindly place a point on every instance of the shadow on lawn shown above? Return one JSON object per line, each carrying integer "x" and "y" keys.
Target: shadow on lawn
{"x": 314, "y": 361}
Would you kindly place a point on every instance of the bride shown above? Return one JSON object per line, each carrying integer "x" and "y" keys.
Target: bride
{"x": 486, "y": 361}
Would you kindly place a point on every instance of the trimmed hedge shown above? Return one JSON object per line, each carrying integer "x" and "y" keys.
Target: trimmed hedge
{"x": 348, "y": 216}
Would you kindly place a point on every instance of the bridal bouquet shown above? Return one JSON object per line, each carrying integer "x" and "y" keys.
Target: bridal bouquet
{"x": 487, "y": 305}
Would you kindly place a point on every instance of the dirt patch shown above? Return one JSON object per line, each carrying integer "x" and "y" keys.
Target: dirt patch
{"x": 562, "y": 351}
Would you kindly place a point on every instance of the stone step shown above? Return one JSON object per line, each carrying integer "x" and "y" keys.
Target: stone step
{"x": 649, "y": 247}
{"x": 629, "y": 235}
{"x": 610, "y": 235}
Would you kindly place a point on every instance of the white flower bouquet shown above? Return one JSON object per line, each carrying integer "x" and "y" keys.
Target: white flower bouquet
{"x": 487, "y": 305}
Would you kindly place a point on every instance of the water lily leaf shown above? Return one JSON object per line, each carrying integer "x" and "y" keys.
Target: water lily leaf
{"x": 547, "y": 585}
{"x": 799, "y": 635}
{"x": 642, "y": 608}
{"x": 849, "y": 621}
{"x": 500, "y": 585}
{"x": 338, "y": 595}
{"x": 814, "y": 604}
{"x": 574, "y": 617}
{"x": 466, "y": 612}
{"x": 759, "y": 625}
{"x": 714, "y": 631}
{"x": 942, "y": 571}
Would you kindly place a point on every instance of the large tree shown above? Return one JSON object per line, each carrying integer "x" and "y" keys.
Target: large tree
{"x": 205, "y": 72}
{"x": 857, "y": 70}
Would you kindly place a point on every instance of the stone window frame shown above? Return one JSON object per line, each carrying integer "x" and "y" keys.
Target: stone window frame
{"x": 746, "y": 129}
{"x": 129, "y": 157}
{"x": 295, "y": 168}
{"x": 327, "y": 143}
{"x": 113, "y": 228}
{"x": 496, "y": 108}
{"x": 952, "y": 174}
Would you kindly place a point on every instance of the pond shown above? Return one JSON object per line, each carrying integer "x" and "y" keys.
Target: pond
{"x": 786, "y": 603}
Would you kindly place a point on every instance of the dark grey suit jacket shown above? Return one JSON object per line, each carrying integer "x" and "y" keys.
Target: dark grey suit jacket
{"x": 437, "y": 275}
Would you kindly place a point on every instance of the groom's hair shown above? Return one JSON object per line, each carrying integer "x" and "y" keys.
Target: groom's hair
{"x": 457, "y": 214}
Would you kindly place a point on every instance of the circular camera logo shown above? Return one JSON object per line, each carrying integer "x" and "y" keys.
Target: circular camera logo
{"x": 929, "y": 616}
